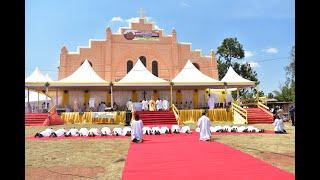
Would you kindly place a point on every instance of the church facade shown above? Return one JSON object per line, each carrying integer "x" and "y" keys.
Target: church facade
{"x": 113, "y": 57}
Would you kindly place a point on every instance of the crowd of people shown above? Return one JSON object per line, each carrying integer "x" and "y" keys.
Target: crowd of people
{"x": 151, "y": 105}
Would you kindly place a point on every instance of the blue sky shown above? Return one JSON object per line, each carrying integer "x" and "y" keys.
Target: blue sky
{"x": 266, "y": 28}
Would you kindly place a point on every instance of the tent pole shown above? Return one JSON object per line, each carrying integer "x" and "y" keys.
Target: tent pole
{"x": 28, "y": 97}
{"x": 171, "y": 95}
{"x": 111, "y": 98}
{"x": 38, "y": 103}
{"x": 225, "y": 96}
{"x": 57, "y": 97}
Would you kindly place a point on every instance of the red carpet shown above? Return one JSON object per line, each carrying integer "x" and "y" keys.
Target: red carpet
{"x": 184, "y": 157}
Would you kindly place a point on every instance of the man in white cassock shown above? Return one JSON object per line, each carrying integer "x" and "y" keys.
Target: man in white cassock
{"x": 278, "y": 125}
{"x": 136, "y": 129}
{"x": 145, "y": 105}
{"x": 211, "y": 102}
{"x": 159, "y": 104}
{"x": 204, "y": 125}
{"x": 165, "y": 105}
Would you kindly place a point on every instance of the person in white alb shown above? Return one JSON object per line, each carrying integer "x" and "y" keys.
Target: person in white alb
{"x": 165, "y": 130}
{"x": 136, "y": 129}
{"x": 146, "y": 130}
{"x": 159, "y": 104}
{"x": 186, "y": 129}
{"x": 83, "y": 132}
{"x": 45, "y": 133}
{"x": 242, "y": 129}
{"x": 175, "y": 129}
{"x": 73, "y": 132}
{"x": 204, "y": 125}
{"x": 216, "y": 129}
{"x": 105, "y": 131}
{"x": 278, "y": 125}
{"x": 94, "y": 132}
{"x": 145, "y": 105}
{"x": 126, "y": 131}
{"x": 59, "y": 133}
{"x": 117, "y": 131}
{"x": 229, "y": 99}
{"x": 129, "y": 105}
{"x": 165, "y": 105}
{"x": 156, "y": 130}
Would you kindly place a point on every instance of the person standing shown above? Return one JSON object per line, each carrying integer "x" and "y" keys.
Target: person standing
{"x": 204, "y": 125}
{"x": 144, "y": 105}
{"x": 292, "y": 115}
{"x": 211, "y": 102}
{"x": 129, "y": 105}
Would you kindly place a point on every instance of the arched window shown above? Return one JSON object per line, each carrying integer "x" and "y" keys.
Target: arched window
{"x": 143, "y": 60}
{"x": 155, "y": 68}
{"x": 129, "y": 66}
{"x": 88, "y": 61}
{"x": 196, "y": 65}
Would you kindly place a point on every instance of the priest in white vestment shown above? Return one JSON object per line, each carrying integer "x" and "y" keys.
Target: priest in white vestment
{"x": 136, "y": 129}
{"x": 129, "y": 105}
{"x": 211, "y": 102}
{"x": 159, "y": 104}
{"x": 278, "y": 125}
{"x": 165, "y": 105}
{"x": 145, "y": 105}
{"x": 204, "y": 125}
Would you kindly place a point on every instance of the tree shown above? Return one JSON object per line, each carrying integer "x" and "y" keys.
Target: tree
{"x": 231, "y": 49}
{"x": 270, "y": 95}
{"x": 290, "y": 69}
{"x": 286, "y": 93}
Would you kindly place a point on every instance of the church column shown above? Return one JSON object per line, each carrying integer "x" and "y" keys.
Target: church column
{"x": 86, "y": 97}
{"x": 195, "y": 98}
{"x": 225, "y": 95}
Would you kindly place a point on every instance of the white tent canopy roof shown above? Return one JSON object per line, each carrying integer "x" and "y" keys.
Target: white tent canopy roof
{"x": 48, "y": 78}
{"x": 191, "y": 75}
{"x": 84, "y": 74}
{"x": 235, "y": 80}
{"x": 33, "y": 96}
{"x": 36, "y": 76}
{"x": 140, "y": 75}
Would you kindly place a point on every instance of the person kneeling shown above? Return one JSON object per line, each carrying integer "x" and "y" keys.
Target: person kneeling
{"x": 136, "y": 129}
{"x": 278, "y": 125}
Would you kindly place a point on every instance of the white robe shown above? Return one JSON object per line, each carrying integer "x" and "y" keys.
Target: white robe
{"x": 106, "y": 131}
{"x": 241, "y": 128}
{"x": 73, "y": 132}
{"x": 159, "y": 104}
{"x": 154, "y": 129}
{"x": 145, "y": 105}
{"x": 278, "y": 125}
{"x": 95, "y": 131}
{"x": 129, "y": 105}
{"x": 184, "y": 129}
{"x": 125, "y": 130}
{"x": 175, "y": 127}
{"x": 227, "y": 128}
{"x": 84, "y": 132}
{"x": 136, "y": 130}
{"x": 211, "y": 102}
{"x": 163, "y": 129}
{"x": 204, "y": 125}
{"x": 60, "y": 132}
{"x": 165, "y": 105}
{"x": 117, "y": 130}
{"x": 47, "y": 132}
{"x": 215, "y": 128}
{"x": 145, "y": 129}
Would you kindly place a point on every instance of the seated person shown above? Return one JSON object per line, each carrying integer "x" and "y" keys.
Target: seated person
{"x": 126, "y": 131}
{"x": 156, "y": 130}
{"x": 94, "y": 132}
{"x": 45, "y": 133}
{"x": 72, "y": 132}
{"x": 186, "y": 129}
{"x": 83, "y": 132}
{"x": 117, "y": 131}
{"x": 242, "y": 129}
{"x": 165, "y": 130}
{"x": 105, "y": 131}
{"x": 278, "y": 125}
{"x": 146, "y": 130}
{"x": 59, "y": 133}
{"x": 175, "y": 129}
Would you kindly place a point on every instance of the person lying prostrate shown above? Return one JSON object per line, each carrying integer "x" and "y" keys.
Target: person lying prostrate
{"x": 278, "y": 125}
{"x": 186, "y": 129}
{"x": 94, "y": 132}
{"x": 45, "y": 133}
{"x": 254, "y": 129}
{"x": 226, "y": 128}
{"x": 117, "y": 131}
{"x": 136, "y": 132}
{"x": 105, "y": 131}
{"x": 126, "y": 131}
{"x": 164, "y": 130}
{"x": 197, "y": 129}
{"x": 216, "y": 129}
{"x": 73, "y": 132}
{"x": 156, "y": 130}
{"x": 59, "y": 133}
{"x": 242, "y": 129}
{"x": 234, "y": 128}
{"x": 83, "y": 132}
{"x": 175, "y": 129}
{"x": 147, "y": 130}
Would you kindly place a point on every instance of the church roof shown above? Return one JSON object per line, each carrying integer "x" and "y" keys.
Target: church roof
{"x": 36, "y": 77}
{"x": 83, "y": 75}
{"x": 190, "y": 75}
{"x": 235, "y": 80}
{"x": 139, "y": 75}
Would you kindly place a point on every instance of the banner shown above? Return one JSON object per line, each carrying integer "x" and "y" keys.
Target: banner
{"x": 103, "y": 114}
{"x": 141, "y": 34}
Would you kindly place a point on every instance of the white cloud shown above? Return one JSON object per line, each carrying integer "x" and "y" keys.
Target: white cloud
{"x": 248, "y": 54}
{"x": 133, "y": 19}
{"x": 183, "y": 4}
{"x": 271, "y": 50}
{"x": 116, "y": 19}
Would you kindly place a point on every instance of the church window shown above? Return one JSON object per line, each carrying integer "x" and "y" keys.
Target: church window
{"x": 143, "y": 59}
{"x": 196, "y": 65}
{"x": 155, "y": 68}
{"x": 129, "y": 66}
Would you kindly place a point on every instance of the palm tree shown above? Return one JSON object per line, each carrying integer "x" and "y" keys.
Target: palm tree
{"x": 286, "y": 93}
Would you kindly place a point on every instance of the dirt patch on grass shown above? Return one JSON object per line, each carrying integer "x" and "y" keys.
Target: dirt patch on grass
{"x": 63, "y": 172}
{"x": 283, "y": 159}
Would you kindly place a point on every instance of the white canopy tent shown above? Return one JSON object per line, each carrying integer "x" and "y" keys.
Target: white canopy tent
{"x": 140, "y": 76}
{"x": 36, "y": 77}
{"x": 33, "y": 97}
{"x": 234, "y": 80}
{"x": 191, "y": 76}
{"x": 48, "y": 78}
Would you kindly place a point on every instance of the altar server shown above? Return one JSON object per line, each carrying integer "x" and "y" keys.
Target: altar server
{"x": 159, "y": 104}
{"x": 145, "y": 105}
{"x": 211, "y": 102}
{"x": 165, "y": 105}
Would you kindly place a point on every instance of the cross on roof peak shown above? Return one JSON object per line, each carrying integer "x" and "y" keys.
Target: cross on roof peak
{"x": 141, "y": 13}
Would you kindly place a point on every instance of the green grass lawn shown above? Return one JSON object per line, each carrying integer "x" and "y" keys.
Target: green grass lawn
{"x": 105, "y": 158}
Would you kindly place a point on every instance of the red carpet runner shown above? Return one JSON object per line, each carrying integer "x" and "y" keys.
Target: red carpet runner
{"x": 185, "y": 157}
